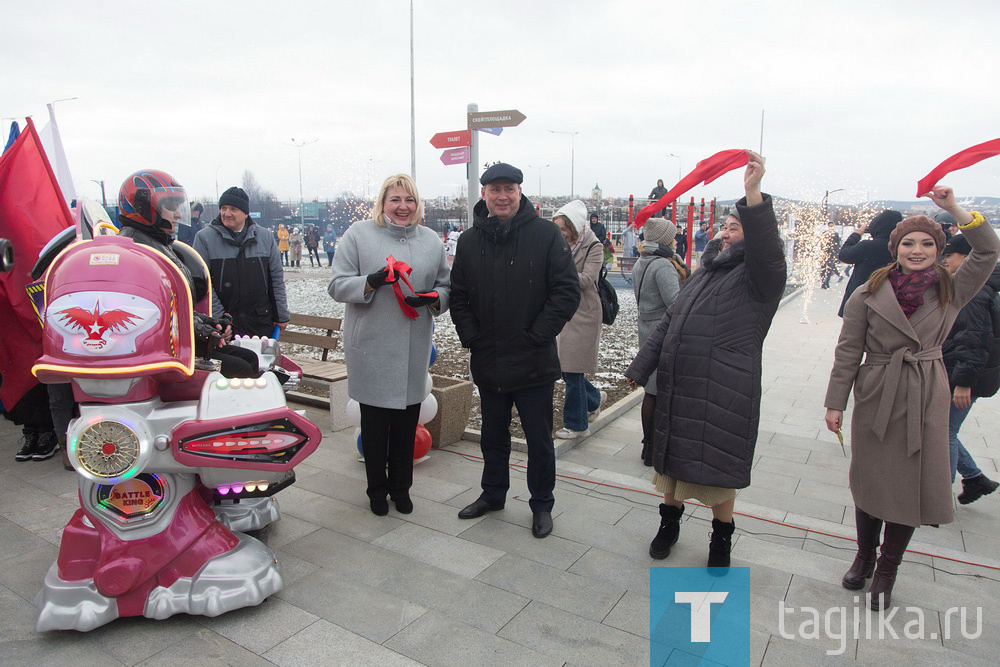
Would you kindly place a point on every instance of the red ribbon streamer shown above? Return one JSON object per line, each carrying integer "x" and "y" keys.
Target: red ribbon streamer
{"x": 704, "y": 172}
{"x": 398, "y": 271}
{"x": 960, "y": 160}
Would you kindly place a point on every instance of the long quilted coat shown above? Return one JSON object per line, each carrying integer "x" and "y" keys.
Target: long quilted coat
{"x": 706, "y": 352}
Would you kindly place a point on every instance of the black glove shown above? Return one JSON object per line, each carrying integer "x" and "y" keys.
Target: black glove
{"x": 380, "y": 278}
{"x": 206, "y": 336}
{"x": 421, "y": 300}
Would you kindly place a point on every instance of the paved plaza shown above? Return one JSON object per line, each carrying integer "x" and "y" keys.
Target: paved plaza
{"x": 428, "y": 588}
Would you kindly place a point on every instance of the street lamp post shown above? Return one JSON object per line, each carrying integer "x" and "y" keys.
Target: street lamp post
{"x": 673, "y": 155}
{"x": 299, "y": 145}
{"x": 531, "y": 166}
{"x": 826, "y": 198}
{"x": 572, "y": 159}
{"x": 104, "y": 200}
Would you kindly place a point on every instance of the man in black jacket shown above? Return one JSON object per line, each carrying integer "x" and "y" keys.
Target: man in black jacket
{"x": 513, "y": 287}
{"x": 866, "y": 256}
{"x": 971, "y": 359}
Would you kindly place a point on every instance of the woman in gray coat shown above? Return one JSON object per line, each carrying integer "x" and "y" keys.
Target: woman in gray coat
{"x": 387, "y": 352}
{"x": 656, "y": 278}
{"x": 899, "y": 426}
{"x": 578, "y": 340}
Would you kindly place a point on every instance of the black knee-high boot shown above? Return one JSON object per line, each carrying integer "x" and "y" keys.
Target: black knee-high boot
{"x": 894, "y": 543}
{"x": 869, "y": 528}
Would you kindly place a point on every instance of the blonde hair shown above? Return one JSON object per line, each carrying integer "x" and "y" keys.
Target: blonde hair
{"x": 945, "y": 289}
{"x": 573, "y": 234}
{"x": 397, "y": 181}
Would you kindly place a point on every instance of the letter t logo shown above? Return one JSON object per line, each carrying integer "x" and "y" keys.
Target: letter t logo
{"x": 701, "y": 611}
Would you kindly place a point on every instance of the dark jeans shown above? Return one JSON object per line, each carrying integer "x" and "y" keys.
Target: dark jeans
{"x": 329, "y": 258}
{"x": 534, "y": 406}
{"x": 387, "y": 438}
{"x": 314, "y": 252}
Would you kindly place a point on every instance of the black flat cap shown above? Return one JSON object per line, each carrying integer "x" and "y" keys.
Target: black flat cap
{"x": 502, "y": 171}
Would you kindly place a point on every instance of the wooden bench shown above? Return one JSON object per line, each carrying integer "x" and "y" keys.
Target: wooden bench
{"x": 322, "y": 369}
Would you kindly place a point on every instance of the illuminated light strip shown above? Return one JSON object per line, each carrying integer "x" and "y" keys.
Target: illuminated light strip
{"x": 77, "y": 370}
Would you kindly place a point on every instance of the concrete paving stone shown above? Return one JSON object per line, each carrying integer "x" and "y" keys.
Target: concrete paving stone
{"x": 797, "y": 442}
{"x": 343, "y": 517}
{"x": 288, "y": 529}
{"x": 573, "y": 483}
{"x": 826, "y": 492}
{"x": 582, "y": 596}
{"x": 440, "y": 489}
{"x": 792, "y": 502}
{"x": 805, "y": 421}
{"x": 794, "y": 561}
{"x": 774, "y": 481}
{"x": 779, "y": 428}
{"x": 978, "y": 637}
{"x": 768, "y": 531}
{"x": 965, "y": 577}
{"x": 260, "y": 628}
{"x": 16, "y": 541}
{"x": 465, "y": 600}
{"x": 447, "y": 552}
{"x": 597, "y": 509}
{"x": 783, "y": 652}
{"x": 24, "y": 574}
{"x": 518, "y": 540}
{"x": 802, "y": 471}
{"x": 323, "y": 643}
{"x": 134, "y": 639}
{"x": 778, "y": 451}
{"x": 625, "y": 572}
{"x": 204, "y": 647}
{"x": 435, "y": 515}
{"x": 568, "y": 637}
{"x": 347, "y": 557}
{"x": 435, "y": 639}
{"x": 51, "y": 654}
{"x": 631, "y": 614}
{"x": 977, "y": 543}
{"x": 597, "y": 444}
{"x": 335, "y": 485}
{"x": 364, "y": 610}
{"x": 618, "y": 539}
{"x": 833, "y": 459}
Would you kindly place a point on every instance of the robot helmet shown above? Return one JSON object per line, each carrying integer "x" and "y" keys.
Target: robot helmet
{"x": 153, "y": 198}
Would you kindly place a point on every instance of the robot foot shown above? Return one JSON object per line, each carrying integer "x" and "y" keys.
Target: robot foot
{"x": 72, "y": 605}
{"x": 250, "y": 514}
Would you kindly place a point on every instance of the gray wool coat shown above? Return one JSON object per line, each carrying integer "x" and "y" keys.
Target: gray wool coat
{"x": 900, "y": 470}
{"x": 656, "y": 283}
{"x": 578, "y": 341}
{"x": 387, "y": 353}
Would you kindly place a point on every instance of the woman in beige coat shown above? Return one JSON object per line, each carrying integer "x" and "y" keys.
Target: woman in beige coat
{"x": 900, "y": 470}
{"x": 578, "y": 340}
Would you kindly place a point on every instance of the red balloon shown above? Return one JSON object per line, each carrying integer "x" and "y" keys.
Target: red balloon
{"x": 421, "y": 443}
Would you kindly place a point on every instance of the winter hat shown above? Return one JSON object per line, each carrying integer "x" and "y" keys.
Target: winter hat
{"x": 958, "y": 244}
{"x": 945, "y": 219}
{"x": 882, "y": 224}
{"x": 917, "y": 223}
{"x": 659, "y": 230}
{"x": 576, "y": 213}
{"x": 502, "y": 171}
{"x": 236, "y": 198}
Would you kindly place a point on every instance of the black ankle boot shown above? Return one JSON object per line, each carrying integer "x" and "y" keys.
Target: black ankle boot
{"x": 869, "y": 529}
{"x": 647, "y": 454}
{"x": 721, "y": 544}
{"x": 670, "y": 529}
{"x": 975, "y": 488}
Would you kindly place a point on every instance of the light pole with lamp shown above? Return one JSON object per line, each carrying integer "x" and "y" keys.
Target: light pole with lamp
{"x": 572, "y": 159}
{"x": 674, "y": 155}
{"x": 104, "y": 200}
{"x": 217, "y": 182}
{"x": 299, "y": 145}
{"x": 531, "y": 166}
{"x": 826, "y": 198}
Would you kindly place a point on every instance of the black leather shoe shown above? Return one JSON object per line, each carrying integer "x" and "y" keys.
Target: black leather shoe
{"x": 541, "y": 524}
{"x": 477, "y": 509}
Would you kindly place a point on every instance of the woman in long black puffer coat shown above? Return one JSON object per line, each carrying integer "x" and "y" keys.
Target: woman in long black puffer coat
{"x": 868, "y": 255}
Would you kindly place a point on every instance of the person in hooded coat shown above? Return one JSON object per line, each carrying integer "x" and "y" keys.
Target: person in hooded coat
{"x": 283, "y": 244}
{"x": 578, "y": 341}
{"x": 889, "y": 352}
{"x": 706, "y": 353}
{"x": 866, "y": 256}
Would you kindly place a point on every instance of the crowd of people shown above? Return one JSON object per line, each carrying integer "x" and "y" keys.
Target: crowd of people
{"x": 920, "y": 341}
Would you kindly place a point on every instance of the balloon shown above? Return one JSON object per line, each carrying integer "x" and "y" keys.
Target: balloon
{"x": 428, "y": 409}
{"x": 434, "y": 355}
{"x": 429, "y": 384}
{"x": 353, "y": 410}
{"x": 421, "y": 443}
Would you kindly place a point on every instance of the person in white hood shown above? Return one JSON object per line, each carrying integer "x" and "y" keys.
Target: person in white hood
{"x": 578, "y": 340}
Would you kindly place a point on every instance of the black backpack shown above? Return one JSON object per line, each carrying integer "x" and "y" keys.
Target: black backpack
{"x": 609, "y": 297}
{"x": 989, "y": 378}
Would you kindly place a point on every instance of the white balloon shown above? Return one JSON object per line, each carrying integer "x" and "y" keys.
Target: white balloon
{"x": 428, "y": 409}
{"x": 429, "y": 385}
{"x": 353, "y": 410}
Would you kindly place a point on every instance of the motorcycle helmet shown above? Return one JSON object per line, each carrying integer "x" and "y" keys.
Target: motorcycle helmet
{"x": 153, "y": 198}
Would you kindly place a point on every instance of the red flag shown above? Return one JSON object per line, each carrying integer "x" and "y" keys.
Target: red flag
{"x": 32, "y": 211}
{"x": 959, "y": 160}
{"x": 704, "y": 172}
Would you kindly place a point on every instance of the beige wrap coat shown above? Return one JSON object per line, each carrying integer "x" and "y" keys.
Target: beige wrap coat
{"x": 900, "y": 469}
{"x": 578, "y": 340}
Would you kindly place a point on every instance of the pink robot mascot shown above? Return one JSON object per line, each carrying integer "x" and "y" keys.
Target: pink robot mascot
{"x": 157, "y": 443}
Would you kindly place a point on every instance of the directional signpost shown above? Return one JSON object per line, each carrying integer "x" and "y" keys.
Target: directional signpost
{"x": 508, "y": 118}
{"x": 456, "y": 155}
{"x": 452, "y": 139}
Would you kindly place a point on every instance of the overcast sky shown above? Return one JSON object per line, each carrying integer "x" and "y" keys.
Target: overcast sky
{"x": 861, "y": 95}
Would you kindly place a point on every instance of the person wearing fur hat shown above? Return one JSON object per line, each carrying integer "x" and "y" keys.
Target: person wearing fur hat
{"x": 295, "y": 243}
{"x": 706, "y": 352}
{"x": 578, "y": 340}
{"x": 868, "y": 255}
{"x": 889, "y": 352}
{"x": 656, "y": 284}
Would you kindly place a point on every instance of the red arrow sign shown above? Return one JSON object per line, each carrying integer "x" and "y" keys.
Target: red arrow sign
{"x": 452, "y": 139}
{"x": 456, "y": 155}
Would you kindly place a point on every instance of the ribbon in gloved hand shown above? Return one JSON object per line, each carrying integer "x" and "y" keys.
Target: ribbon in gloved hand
{"x": 398, "y": 272}
{"x": 959, "y": 160}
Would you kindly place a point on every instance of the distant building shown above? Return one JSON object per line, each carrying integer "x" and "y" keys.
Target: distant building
{"x": 596, "y": 192}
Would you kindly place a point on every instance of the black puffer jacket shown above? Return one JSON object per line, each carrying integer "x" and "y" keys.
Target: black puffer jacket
{"x": 967, "y": 349}
{"x": 706, "y": 352}
{"x": 868, "y": 255}
{"x": 513, "y": 287}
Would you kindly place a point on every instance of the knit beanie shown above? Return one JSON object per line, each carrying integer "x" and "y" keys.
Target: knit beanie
{"x": 576, "y": 212}
{"x": 236, "y": 198}
{"x": 917, "y": 223}
{"x": 659, "y": 230}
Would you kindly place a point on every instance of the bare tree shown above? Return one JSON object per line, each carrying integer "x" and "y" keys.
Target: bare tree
{"x": 263, "y": 200}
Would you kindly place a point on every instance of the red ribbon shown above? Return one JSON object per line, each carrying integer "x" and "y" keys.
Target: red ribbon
{"x": 399, "y": 271}
{"x": 960, "y": 160}
{"x": 704, "y": 172}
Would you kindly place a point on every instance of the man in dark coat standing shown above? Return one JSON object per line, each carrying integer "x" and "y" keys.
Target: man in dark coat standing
{"x": 513, "y": 287}
{"x": 706, "y": 353}
{"x": 867, "y": 255}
